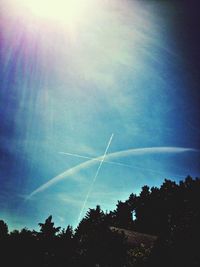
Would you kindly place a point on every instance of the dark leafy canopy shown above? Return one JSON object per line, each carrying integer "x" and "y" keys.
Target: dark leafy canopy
{"x": 170, "y": 212}
{"x": 47, "y": 229}
{"x": 96, "y": 244}
{"x": 3, "y": 229}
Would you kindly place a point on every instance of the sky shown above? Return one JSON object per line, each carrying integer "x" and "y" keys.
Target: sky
{"x": 97, "y": 99}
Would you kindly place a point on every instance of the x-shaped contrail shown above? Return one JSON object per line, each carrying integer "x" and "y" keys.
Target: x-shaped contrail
{"x": 95, "y": 177}
{"x": 95, "y": 159}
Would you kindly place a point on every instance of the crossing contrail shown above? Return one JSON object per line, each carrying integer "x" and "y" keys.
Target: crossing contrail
{"x": 123, "y": 153}
{"x": 95, "y": 177}
{"x": 117, "y": 163}
{"x": 95, "y": 159}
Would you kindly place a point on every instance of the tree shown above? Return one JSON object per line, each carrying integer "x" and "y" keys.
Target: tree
{"x": 65, "y": 247}
{"x": 48, "y": 242}
{"x": 4, "y": 245}
{"x": 47, "y": 229}
{"x": 97, "y": 244}
{"x": 3, "y": 230}
{"x": 66, "y": 234}
{"x": 123, "y": 215}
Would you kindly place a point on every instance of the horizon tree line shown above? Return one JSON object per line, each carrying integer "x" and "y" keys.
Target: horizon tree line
{"x": 170, "y": 212}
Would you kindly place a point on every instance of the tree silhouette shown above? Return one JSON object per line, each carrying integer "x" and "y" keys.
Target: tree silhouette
{"x": 48, "y": 244}
{"x": 123, "y": 215}
{"x": 97, "y": 244}
{"x": 3, "y": 230}
{"x": 171, "y": 212}
{"x": 47, "y": 229}
{"x": 65, "y": 247}
{"x": 66, "y": 234}
{"x": 4, "y": 245}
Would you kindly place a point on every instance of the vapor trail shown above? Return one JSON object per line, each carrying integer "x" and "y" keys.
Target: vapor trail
{"x": 95, "y": 177}
{"x": 117, "y": 163}
{"x": 96, "y": 159}
{"x": 123, "y": 153}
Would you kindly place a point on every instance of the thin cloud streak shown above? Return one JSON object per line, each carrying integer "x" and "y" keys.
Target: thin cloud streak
{"x": 96, "y": 158}
{"x": 95, "y": 177}
{"x": 123, "y": 153}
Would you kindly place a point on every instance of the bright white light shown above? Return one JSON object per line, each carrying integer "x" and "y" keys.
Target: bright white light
{"x": 62, "y": 10}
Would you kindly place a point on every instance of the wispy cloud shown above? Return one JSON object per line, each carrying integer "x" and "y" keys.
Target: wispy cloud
{"x": 119, "y": 154}
{"x": 70, "y": 199}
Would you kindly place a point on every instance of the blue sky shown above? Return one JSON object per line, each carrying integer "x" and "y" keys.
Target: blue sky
{"x": 122, "y": 67}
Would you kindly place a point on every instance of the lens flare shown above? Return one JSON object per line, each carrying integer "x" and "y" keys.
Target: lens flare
{"x": 59, "y": 10}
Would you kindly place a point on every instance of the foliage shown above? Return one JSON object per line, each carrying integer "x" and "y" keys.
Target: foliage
{"x": 3, "y": 230}
{"x": 170, "y": 212}
{"x": 47, "y": 229}
{"x": 97, "y": 244}
{"x": 138, "y": 256}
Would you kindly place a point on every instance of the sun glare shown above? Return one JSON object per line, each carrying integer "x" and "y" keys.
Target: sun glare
{"x": 61, "y": 10}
